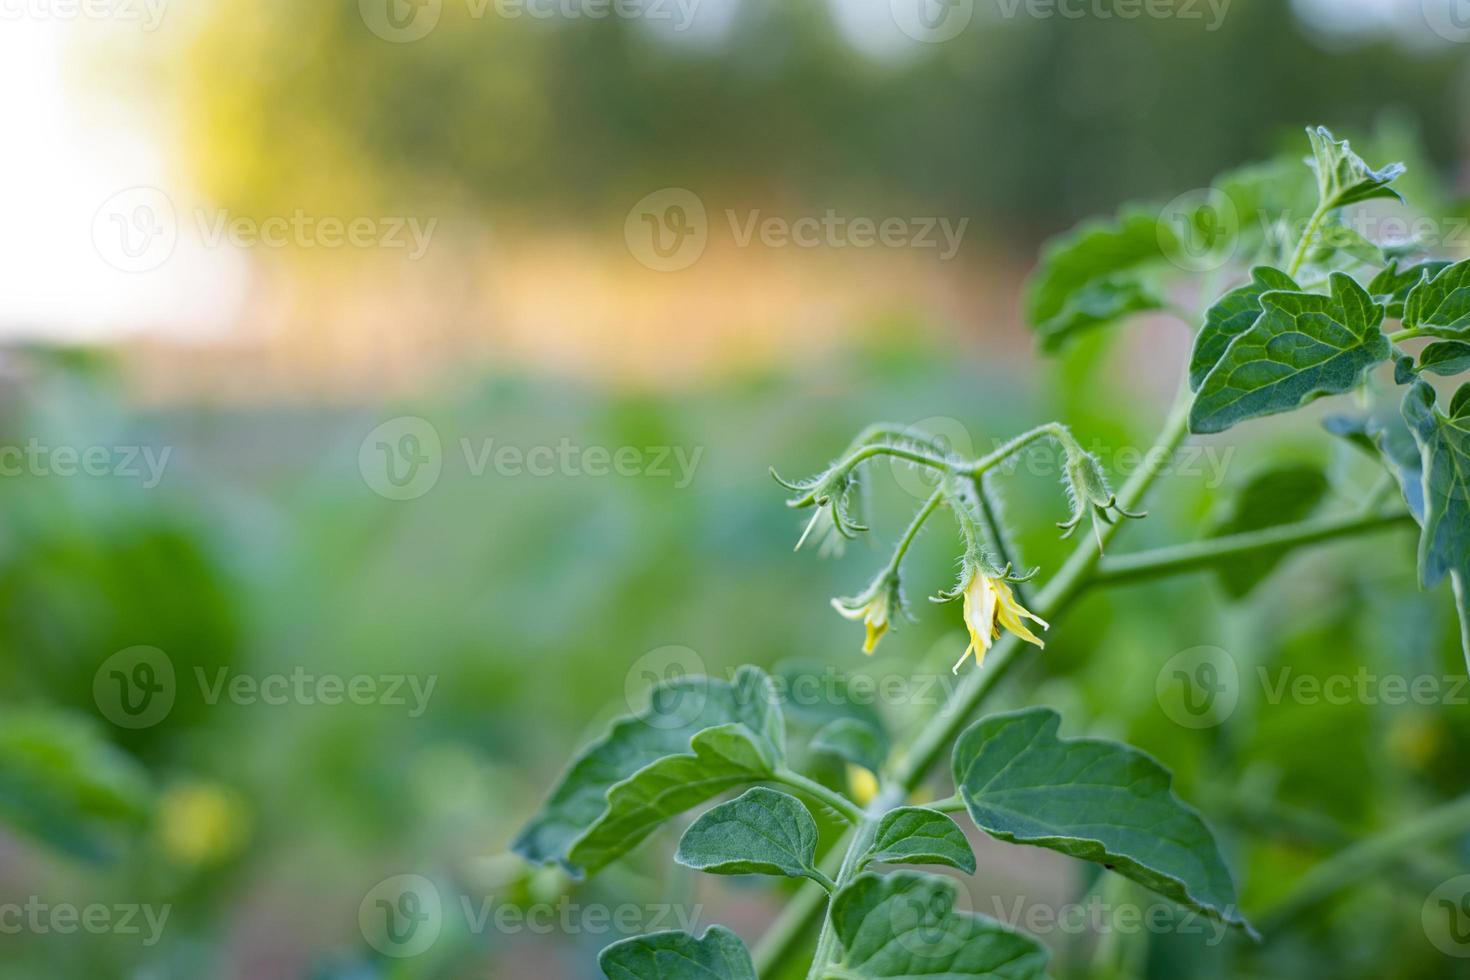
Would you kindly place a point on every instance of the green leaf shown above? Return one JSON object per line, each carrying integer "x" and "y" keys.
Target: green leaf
{"x": 853, "y": 741}
{"x": 761, "y": 833}
{"x": 1392, "y": 286}
{"x": 1444, "y": 447}
{"x": 915, "y": 835}
{"x": 63, "y": 784}
{"x": 678, "y": 710}
{"x": 904, "y": 926}
{"x": 1092, "y": 799}
{"x": 1276, "y": 496}
{"x": 1445, "y": 358}
{"x": 1342, "y": 176}
{"x": 1303, "y": 346}
{"x": 1090, "y": 276}
{"x": 720, "y": 955}
{"x": 1390, "y": 442}
{"x": 1441, "y": 301}
{"x": 722, "y": 759}
{"x": 1232, "y": 315}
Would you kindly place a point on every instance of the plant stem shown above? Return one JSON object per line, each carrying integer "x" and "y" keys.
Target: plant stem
{"x": 950, "y": 804}
{"x": 1414, "y": 333}
{"x": 1357, "y": 862}
{"x": 1197, "y": 555}
{"x": 913, "y": 530}
{"x": 850, "y": 811}
{"x": 1054, "y": 430}
{"x": 1308, "y": 234}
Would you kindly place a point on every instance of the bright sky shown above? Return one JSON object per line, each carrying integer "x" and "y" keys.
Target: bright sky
{"x": 67, "y": 152}
{"x": 98, "y": 233}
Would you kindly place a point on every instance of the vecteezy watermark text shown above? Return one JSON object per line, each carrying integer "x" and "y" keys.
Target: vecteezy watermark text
{"x": 138, "y": 687}
{"x": 37, "y": 916}
{"x": 669, "y": 229}
{"x": 403, "y": 916}
{"x": 147, "y": 13}
{"x": 404, "y": 457}
{"x": 137, "y": 230}
{"x": 145, "y": 463}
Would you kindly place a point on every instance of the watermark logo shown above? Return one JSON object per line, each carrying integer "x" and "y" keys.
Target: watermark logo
{"x": 675, "y": 706}
{"x": 1199, "y": 230}
{"x": 401, "y": 916}
{"x": 1198, "y": 687}
{"x": 1450, "y": 19}
{"x": 135, "y": 688}
{"x": 1446, "y": 917}
{"x": 946, "y": 436}
{"x": 932, "y": 21}
{"x": 402, "y": 458}
{"x": 400, "y": 21}
{"x": 136, "y": 230}
{"x": 667, "y": 230}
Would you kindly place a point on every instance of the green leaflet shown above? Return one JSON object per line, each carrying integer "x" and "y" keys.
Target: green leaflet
{"x": 761, "y": 833}
{"x": 1441, "y": 301}
{"x": 1392, "y": 286}
{"x": 719, "y": 955}
{"x": 1342, "y": 176}
{"x": 1390, "y": 442}
{"x": 853, "y": 741}
{"x": 903, "y": 926}
{"x": 1302, "y": 346}
{"x": 1089, "y": 276}
{"x": 915, "y": 835}
{"x": 1092, "y": 799}
{"x": 1445, "y": 358}
{"x": 1444, "y": 447}
{"x": 678, "y": 710}
{"x": 1232, "y": 315}
{"x": 1279, "y": 495}
{"x": 62, "y": 783}
{"x": 723, "y": 758}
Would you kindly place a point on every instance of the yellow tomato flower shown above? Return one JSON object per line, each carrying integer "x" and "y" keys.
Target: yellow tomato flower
{"x": 989, "y": 605}
{"x": 874, "y": 613}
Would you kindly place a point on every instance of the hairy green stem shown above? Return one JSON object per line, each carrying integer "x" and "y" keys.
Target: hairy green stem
{"x": 860, "y": 841}
{"x": 1308, "y": 234}
{"x": 850, "y": 811}
{"x": 913, "y": 529}
{"x": 1053, "y": 430}
{"x": 1361, "y": 860}
{"x": 1198, "y": 555}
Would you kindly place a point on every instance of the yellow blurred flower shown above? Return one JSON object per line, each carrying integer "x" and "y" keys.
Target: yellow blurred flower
{"x": 201, "y": 823}
{"x": 862, "y": 785}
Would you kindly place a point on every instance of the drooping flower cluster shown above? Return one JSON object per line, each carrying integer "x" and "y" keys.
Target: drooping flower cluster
{"x": 986, "y": 585}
